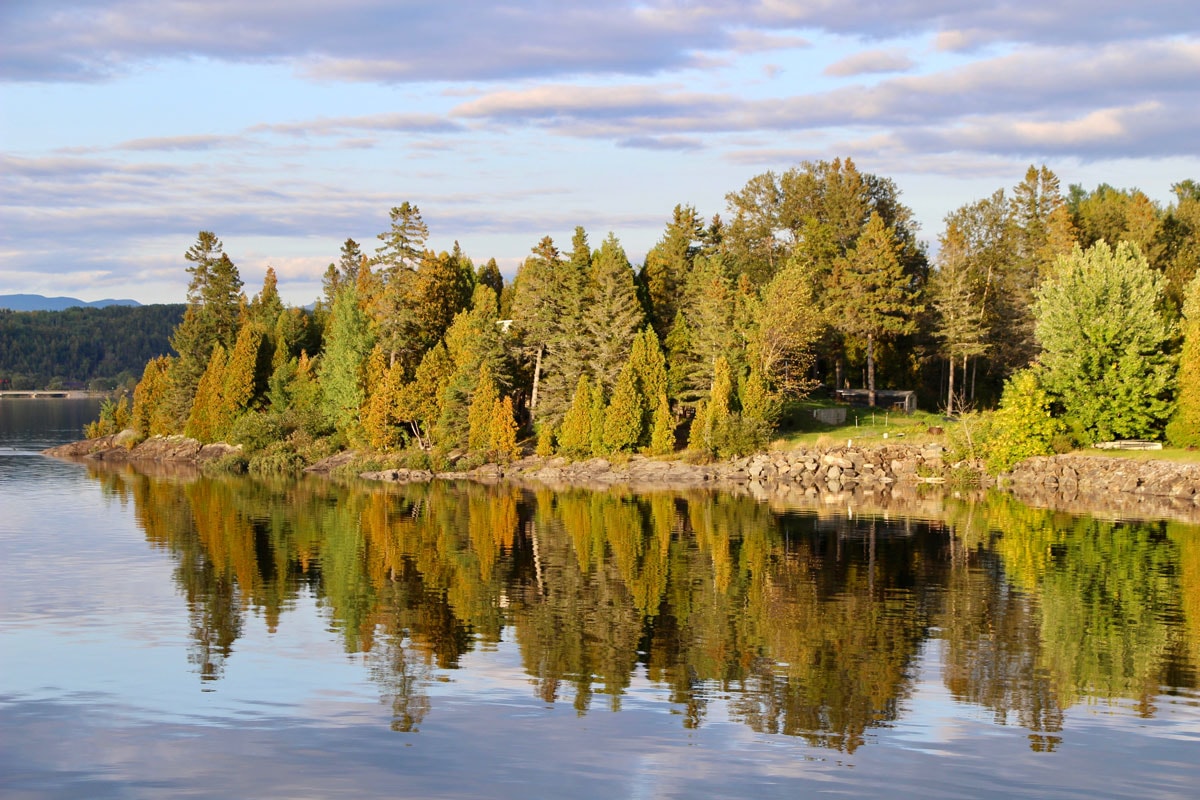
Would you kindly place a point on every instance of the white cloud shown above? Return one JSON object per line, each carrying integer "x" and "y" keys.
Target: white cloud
{"x": 871, "y": 62}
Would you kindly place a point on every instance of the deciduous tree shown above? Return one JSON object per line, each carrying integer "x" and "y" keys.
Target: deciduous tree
{"x": 1104, "y": 342}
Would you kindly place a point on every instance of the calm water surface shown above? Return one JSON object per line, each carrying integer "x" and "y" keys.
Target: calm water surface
{"x": 172, "y": 635}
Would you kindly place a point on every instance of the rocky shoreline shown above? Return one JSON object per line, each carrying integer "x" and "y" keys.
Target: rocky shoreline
{"x": 875, "y": 476}
{"x": 123, "y": 447}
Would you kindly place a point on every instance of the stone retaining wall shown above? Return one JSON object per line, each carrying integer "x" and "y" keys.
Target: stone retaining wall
{"x": 807, "y": 472}
{"x": 1121, "y": 487}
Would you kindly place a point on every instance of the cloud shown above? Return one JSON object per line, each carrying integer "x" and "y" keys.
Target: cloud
{"x": 871, "y": 62}
{"x": 191, "y": 143}
{"x": 426, "y": 40}
{"x": 1010, "y": 87}
{"x": 675, "y": 143}
{"x": 390, "y": 122}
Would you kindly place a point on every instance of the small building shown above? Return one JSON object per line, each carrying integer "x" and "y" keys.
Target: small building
{"x": 893, "y": 399}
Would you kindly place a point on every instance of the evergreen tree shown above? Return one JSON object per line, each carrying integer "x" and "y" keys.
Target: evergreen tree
{"x": 383, "y": 416}
{"x": 705, "y": 329}
{"x": 443, "y": 287}
{"x": 396, "y": 305}
{"x": 474, "y": 339}
{"x": 489, "y": 275}
{"x": 613, "y": 314}
{"x": 721, "y": 397}
{"x": 596, "y": 420}
{"x": 649, "y": 367}
{"x": 662, "y": 437}
{"x": 213, "y": 307}
{"x": 342, "y": 373}
{"x": 624, "y": 415}
{"x": 481, "y": 411}
{"x": 343, "y": 272}
{"x": 265, "y": 308}
{"x": 540, "y": 299}
{"x": 502, "y": 433}
{"x": 666, "y": 265}
{"x": 150, "y": 399}
{"x": 1184, "y": 429}
{"x": 872, "y": 296}
{"x": 700, "y": 434}
{"x": 204, "y": 418}
{"x": 545, "y": 441}
{"x": 421, "y": 400}
{"x": 575, "y": 435}
{"x": 240, "y": 384}
{"x": 760, "y": 406}
{"x": 1103, "y": 342}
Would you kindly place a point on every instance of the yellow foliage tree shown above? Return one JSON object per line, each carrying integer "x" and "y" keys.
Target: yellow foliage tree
{"x": 480, "y": 412}
{"x": 503, "y": 430}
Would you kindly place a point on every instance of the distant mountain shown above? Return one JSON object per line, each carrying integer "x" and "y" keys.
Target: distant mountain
{"x": 36, "y": 302}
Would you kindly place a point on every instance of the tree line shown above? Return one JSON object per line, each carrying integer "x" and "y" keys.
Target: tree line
{"x": 1071, "y": 309}
{"x": 99, "y": 348}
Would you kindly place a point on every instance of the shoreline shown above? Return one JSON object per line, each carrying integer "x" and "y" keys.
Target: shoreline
{"x": 881, "y": 476}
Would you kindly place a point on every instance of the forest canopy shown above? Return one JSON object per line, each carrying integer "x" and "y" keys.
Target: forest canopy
{"x": 82, "y": 347}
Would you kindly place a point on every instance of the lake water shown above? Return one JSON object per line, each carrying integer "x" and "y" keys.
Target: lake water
{"x": 172, "y": 635}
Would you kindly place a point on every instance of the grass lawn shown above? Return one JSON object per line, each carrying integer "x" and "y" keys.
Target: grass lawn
{"x": 863, "y": 426}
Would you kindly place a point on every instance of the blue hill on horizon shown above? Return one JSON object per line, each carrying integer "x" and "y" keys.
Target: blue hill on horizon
{"x": 37, "y": 302}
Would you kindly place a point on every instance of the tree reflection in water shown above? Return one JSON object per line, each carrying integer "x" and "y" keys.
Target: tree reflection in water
{"x": 809, "y": 624}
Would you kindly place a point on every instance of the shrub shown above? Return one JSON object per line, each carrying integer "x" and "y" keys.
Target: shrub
{"x": 1022, "y": 427}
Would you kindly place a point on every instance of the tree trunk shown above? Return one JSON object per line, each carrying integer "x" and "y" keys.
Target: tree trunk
{"x": 837, "y": 371}
{"x": 871, "y": 370}
{"x": 950, "y": 393}
{"x": 537, "y": 375}
{"x": 964, "y": 375}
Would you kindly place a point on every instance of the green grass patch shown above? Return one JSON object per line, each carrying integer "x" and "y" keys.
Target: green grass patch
{"x": 863, "y": 426}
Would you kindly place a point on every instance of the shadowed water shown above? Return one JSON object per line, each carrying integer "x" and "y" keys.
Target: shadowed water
{"x": 172, "y": 634}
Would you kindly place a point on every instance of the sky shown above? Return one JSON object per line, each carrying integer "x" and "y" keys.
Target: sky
{"x": 128, "y": 126}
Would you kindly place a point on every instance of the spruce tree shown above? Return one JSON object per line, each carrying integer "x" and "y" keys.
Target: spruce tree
{"x": 480, "y": 413}
{"x": 666, "y": 265}
{"x": 149, "y": 398}
{"x": 613, "y": 314}
{"x": 575, "y": 434}
{"x": 348, "y": 343}
{"x": 502, "y": 433}
{"x": 596, "y": 421}
{"x": 623, "y": 417}
{"x": 649, "y": 367}
{"x": 473, "y": 340}
{"x": 545, "y": 441}
{"x": 700, "y": 434}
{"x": 395, "y": 307}
{"x": 240, "y": 384}
{"x": 202, "y": 421}
{"x": 872, "y": 297}
{"x": 662, "y": 437}
{"x": 489, "y": 275}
